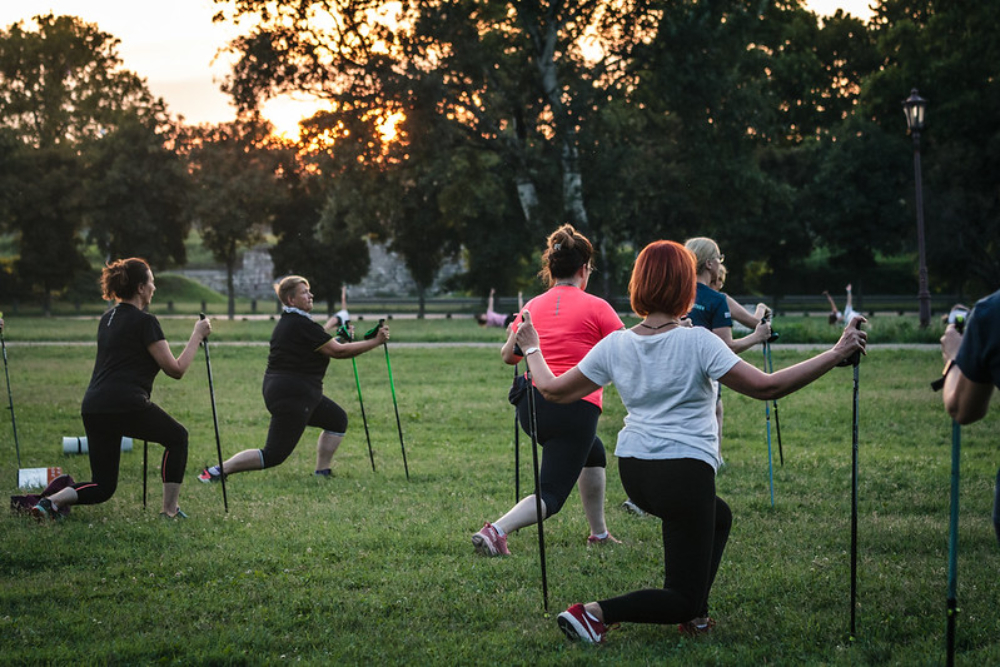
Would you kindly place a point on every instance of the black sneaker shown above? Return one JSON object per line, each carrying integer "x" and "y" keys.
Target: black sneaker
{"x": 326, "y": 472}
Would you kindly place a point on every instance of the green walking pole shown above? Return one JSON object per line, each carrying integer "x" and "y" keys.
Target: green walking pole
{"x": 392, "y": 386}
{"x": 346, "y": 334}
{"x": 956, "y": 450}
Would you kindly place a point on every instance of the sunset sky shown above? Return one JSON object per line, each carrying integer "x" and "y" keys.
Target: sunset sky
{"x": 174, "y": 49}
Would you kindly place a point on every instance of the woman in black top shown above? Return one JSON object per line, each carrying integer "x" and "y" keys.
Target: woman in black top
{"x": 131, "y": 350}
{"x": 301, "y": 349}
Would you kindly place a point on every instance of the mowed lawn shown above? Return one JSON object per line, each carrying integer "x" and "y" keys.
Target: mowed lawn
{"x": 371, "y": 568}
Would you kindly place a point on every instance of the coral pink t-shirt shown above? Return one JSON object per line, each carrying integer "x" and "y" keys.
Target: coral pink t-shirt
{"x": 569, "y": 322}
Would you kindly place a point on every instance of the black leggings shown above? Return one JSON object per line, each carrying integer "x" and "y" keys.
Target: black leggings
{"x": 294, "y": 404}
{"x": 568, "y": 435}
{"x": 104, "y": 438}
{"x": 696, "y": 524}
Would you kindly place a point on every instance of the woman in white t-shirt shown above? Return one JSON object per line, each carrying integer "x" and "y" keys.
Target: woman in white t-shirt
{"x": 668, "y": 449}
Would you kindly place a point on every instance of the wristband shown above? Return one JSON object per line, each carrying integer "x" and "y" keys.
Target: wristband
{"x": 530, "y": 350}
{"x": 939, "y": 383}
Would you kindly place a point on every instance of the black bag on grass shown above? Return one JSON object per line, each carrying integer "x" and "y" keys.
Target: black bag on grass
{"x": 26, "y": 502}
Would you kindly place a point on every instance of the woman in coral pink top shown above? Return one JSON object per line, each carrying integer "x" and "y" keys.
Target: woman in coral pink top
{"x": 570, "y": 322}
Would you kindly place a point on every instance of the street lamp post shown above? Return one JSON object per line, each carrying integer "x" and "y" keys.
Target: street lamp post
{"x": 915, "y": 107}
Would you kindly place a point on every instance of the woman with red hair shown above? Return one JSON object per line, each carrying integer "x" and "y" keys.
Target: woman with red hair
{"x": 668, "y": 450}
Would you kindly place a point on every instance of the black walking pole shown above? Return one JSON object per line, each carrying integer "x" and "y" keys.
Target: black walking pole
{"x": 145, "y": 468}
{"x": 774, "y": 402}
{"x": 767, "y": 421}
{"x": 854, "y": 360}
{"x": 956, "y": 445}
{"x": 538, "y": 487}
{"x": 343, "y": 331}
{"x": 10, "y": 402}
{"x": 517, "y": 452}
{"x": 854, "y": 504}
{"x": 215, "y": 420}
{"x": 392, "y": 386}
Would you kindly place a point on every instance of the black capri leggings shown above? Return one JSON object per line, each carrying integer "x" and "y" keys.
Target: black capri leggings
{"x": 568, "y": 435}
{"x": 295, "y": 403}
{"x": 696, "y": 524}
{"x": 104, "y": 437}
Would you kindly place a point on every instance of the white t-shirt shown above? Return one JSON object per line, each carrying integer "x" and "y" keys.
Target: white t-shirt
{"x": 667, "y": 383}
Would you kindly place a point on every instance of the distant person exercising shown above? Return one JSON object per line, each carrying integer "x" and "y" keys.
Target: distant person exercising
{"x": 972, "y": 370}
{"x": 837, "y": 317}
{"x": 301, "y": 349}
{"x": 491, "y": 318}
{"x": 131, "y": 350}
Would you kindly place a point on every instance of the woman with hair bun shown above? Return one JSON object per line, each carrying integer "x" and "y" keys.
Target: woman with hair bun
{"x": 668, "y": 449}
{"x": 570, "y": 322}
{"x": 131, "y": 350}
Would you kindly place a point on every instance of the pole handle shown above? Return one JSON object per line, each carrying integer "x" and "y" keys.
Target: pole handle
{"x": 855, "y": 358}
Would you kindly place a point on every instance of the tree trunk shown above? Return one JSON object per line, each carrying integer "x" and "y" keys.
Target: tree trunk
{"x": 573, "y": 205}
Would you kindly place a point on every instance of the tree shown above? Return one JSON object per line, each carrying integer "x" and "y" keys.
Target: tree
{"x": 63, "y": 92}
{"x": 509, "y": 78}
{"x": 138, "y": 193}
{"x": 314, "y": 239}
{"x": 949, "y": 52}
{"x": 236, "y": 189}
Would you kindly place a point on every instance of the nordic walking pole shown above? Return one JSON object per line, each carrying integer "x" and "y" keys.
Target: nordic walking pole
{"x": 854, "y": 360}
{"x": 517, "y": 452}
{"x": 956, "y": 447}
{"x": 767, "y": 420}
{"x": 215, "y": 420}
{"x": 395, "y": 404}
{"x": 145, "y": 468}
{"x": 953, "y": 610}
{"x": 343, "y": 331}
{"x": 538, "y": 486}
{"x": 774, "y": 402}
{"x": 10, "y": 401}
{"x": 854, "y": 504}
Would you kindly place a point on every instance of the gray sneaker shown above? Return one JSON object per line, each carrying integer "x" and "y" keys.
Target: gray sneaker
{"x": 632, "y": 508}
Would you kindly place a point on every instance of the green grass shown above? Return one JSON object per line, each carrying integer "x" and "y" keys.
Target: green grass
{"x": 882, "y": 329}
{"x": 369, "y": 568}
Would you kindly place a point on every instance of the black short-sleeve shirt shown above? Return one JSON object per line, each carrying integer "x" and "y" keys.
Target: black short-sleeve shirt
{"x": 979, "y": 356}
{"x": 295, "y": 344}
{"x": 124, "y": 369}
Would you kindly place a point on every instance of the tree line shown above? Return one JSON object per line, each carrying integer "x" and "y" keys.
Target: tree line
{"x": 464, "y": 128}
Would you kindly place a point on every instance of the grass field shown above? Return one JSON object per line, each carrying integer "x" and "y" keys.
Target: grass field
{"x": 369, "y": 568}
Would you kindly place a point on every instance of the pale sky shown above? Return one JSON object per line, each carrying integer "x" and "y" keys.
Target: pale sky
{"x": 173, "y": 45}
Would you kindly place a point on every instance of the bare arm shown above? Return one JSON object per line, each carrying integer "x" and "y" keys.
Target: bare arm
{"x": 755, "y": 383}
{"x": 966, "y": 401}
{"x": 177, "y": 367}
{"x": 507, "y": 351}
{"x": 337, "y": 350}
{"x": 761, "y": 332}
{"x": 744, "y": 316}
